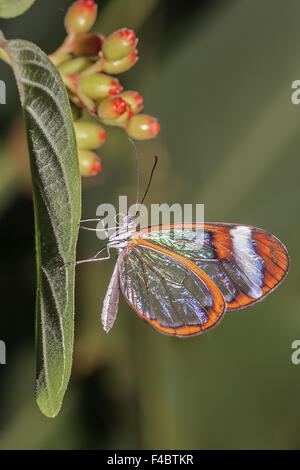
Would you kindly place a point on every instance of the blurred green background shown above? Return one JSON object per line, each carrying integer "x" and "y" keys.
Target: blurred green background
{"x": 218, "y": 76}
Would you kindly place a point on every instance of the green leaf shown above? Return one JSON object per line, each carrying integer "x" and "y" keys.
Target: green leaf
{"x": 12, "y": 8}
{"x": 57, "y": 206}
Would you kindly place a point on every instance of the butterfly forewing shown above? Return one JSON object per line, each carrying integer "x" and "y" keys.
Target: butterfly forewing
{"x": 245, "y": 263}
{"x": 169, "y": 292}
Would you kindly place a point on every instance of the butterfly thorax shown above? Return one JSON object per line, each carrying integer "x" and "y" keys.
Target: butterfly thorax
{"x": 123, "y": 235}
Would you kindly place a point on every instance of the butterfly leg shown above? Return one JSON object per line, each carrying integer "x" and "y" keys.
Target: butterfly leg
{"x": 90, "y": 220}
{"x": 90, "y": 260}
{"x": 95, "y": 257}
{"x": 84, "y": 227}
{"x": 104, "y": 229}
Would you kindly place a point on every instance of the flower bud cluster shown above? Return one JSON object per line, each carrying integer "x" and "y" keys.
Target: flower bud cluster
{"x": 87, "y": 62}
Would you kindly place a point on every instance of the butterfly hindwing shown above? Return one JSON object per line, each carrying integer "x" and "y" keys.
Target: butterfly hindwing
{"x": 168, "y": 291}
{"x": 111, "y": 301}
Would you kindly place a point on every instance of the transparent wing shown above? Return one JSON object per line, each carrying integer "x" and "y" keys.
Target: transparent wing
{"x": 244, "y": 262}
{"x": 171, "y": 294}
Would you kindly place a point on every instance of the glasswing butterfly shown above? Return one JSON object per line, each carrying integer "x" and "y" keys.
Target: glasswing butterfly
{"x": 181, "y": 279}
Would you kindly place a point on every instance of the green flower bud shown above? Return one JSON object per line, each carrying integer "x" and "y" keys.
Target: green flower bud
{"x": 142, "y": 127}
{"x": 99, "y": 86}
{"x": 121, "y": 65}
{"x": 81, "y": 16}
{"x": 119, "y": 44}
{"x": 74, "y": 65}
{"x": 89, "y": 163}
{"x": 89, "y": 135}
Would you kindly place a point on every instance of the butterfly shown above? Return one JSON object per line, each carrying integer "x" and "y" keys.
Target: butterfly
{"x": 182, "y": 279}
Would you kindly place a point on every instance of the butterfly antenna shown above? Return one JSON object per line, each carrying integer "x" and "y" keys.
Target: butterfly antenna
{"x": 137, "y": 171}
{"x": 150, "y": 179}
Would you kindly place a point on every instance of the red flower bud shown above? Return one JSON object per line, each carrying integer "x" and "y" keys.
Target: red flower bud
{"x": 89, "y": 135}
{"x": 114, "y": 111}
{"x": 100, "y": 86}
{"x": 119, "y": 44}
{"x": 121, "y": 65}
{"x": 89, "y": 163}
{"x": 87, "y": 44}
{"x": 81, "y": 16}
{"x": 134, "y": 99}
{"x": 142, "y": 126}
